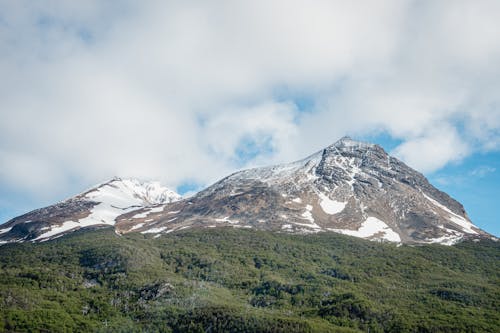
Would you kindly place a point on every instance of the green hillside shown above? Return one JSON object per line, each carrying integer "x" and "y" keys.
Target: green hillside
{"x": 233, "y": 280}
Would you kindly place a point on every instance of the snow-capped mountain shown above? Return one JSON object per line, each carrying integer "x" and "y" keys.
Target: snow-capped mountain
{"x": 350, "y": 187}
{"x": 99, "y": 206}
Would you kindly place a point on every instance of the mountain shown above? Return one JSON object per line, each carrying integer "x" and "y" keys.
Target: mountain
{"x": 350, "y": 187}
{"x": 98, "y": 206}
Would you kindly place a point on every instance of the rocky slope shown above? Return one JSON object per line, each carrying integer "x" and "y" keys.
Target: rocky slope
{"x": 96, "y": 207}
{"x": 350, "y": 187}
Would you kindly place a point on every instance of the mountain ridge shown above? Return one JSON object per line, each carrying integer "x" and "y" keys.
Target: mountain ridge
{"x": 350, "y": 187}
{"x": 96, "y": 206}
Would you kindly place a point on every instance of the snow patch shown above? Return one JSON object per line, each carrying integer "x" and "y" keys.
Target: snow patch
{"x": 445, "y": 240}
{"x": 137, "y": 226}
{"x": 455, "y": 218}
{"x": 226, "y": 219}
{"x": 149, "y": 211}
{"x": 309, "y": 231}
{"x": 3, "y": 231}
{"x": 242, "y": 226}
{"x": 370, "y": 227}
{"x": 308, "y": 225}
{"x": 141, "y": 215}
{"x": 330, "y": 206}
{"x": 307, "y": 214}
{"x": 154, "y": 230}
{"x": 66, "y": 226}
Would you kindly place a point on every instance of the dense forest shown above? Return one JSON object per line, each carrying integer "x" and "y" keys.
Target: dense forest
{"x": 233, "y": 280}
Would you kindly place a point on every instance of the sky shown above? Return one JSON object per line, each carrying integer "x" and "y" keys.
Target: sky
{"x": 187, "y": 92}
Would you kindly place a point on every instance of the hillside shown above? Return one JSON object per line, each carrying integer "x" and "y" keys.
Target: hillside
{"x": 235, "y": 280}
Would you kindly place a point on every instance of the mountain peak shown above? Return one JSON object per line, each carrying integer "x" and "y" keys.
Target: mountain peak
{"x": 346, "y": 138}
{"x": 151, "y": 192}
{"x": 350, "y": 187}
{"x": 368, "y": 154}
{"x": 348, "y": 142}
{"x": 98, "y": 206}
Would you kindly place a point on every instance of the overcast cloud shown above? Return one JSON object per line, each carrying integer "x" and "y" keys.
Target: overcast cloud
{"x": 189, "y": 91}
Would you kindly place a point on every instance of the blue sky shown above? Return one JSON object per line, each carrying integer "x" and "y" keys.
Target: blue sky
{"x": 188, "y": 92}
{"x": 475, "y": 183}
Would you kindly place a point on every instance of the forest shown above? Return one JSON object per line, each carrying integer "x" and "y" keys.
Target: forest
{"x": 234, "y": 280}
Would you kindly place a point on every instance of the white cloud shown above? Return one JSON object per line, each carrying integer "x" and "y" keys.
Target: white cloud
{"x": 482, "y": 171}
{"x": 269, "y": 121}
{"x": 27, "y": 171}
{"x": 170, "y": 90}
{"x": 432, "y": 151}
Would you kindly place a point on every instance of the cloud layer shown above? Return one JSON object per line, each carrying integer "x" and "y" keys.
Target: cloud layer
{"x": 189, "y": 91}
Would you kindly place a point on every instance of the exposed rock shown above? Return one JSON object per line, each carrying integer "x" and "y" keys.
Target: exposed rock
{"x": 350, "y": 187}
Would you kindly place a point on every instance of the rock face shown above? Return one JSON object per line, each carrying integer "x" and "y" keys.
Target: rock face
{"x": 350, "y": 187}
{"x": 96, "y": 207}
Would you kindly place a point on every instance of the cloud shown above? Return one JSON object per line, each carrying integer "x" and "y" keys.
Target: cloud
{"x": 261, "y": 130}
{"x": 26, "y": 171}
{"x": 482, "y": 171}
{"x": 191, "y": 91}
{"x": 432, "y": 151}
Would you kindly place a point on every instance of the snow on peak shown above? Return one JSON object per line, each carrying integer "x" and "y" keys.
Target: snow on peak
{"x": 281, "y": 172}
{"x": 306, "y": 166}
{"x": 114, "y": 198}
{"x": 150, "y": 193}
{"x": 348, "y": 142}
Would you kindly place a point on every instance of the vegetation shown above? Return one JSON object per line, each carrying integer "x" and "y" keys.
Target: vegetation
{"x": 233, "y": 280}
